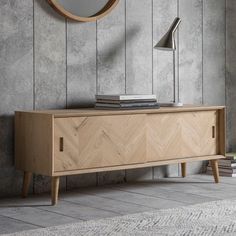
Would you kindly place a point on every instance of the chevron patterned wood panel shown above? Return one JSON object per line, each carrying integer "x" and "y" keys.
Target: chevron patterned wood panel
{"x": 93, "y": 142}
{"x": 186, "y": 134}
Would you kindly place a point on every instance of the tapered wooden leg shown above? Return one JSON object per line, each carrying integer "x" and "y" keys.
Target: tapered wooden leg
{"x": 26, "y": 183}
{"x": 215, "y": 170}
{"x": 55, "y": 189}
{"x": 183, "y": 169}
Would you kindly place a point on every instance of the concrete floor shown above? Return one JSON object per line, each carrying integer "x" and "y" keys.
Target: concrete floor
{"x": 18, "y": 214}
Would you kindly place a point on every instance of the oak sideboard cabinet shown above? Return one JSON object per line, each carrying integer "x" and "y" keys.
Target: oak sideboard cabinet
{"x": 69, "y": 142}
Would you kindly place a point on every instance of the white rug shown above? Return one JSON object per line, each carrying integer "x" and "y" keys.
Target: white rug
{"x": 213, "y": 218}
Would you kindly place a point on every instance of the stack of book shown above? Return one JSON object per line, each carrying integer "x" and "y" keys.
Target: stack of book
{"x": 126, "y": 101}
{"x": 227, "y": 166}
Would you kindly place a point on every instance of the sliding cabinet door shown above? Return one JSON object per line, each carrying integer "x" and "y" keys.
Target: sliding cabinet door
{"x": 181, "y": 134}
{"x": 99, "y": 141}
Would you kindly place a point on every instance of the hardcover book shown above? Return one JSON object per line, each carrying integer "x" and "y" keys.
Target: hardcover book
{"x": 123, "y": 105}
{"x": 224, "y": 170}
{"x": 121, "y": 97}
{"x": 127, "y": 106}
{"x": 222, "y": 173}
{"x": 231, "y": 156}
{"x": 227, "y": 163}
{"x": 107, "y": 101}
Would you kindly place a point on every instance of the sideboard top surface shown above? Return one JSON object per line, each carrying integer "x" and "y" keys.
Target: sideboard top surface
{"x": 98, "y": 112}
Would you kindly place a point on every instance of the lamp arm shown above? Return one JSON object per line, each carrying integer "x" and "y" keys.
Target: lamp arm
{"x": 175, "y": 25}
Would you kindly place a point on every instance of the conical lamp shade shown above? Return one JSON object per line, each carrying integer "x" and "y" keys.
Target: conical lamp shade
{"x": 167, "y": 42}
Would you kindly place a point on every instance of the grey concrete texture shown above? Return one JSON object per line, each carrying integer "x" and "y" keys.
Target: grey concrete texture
{"x": 50, "y": 57}
{"x": 47, "y": 61}
{"x": 77, "y": 181}
{"x": 16, "y": 84}
{"x": 81, "y": 64}
{"x": 214, "y": 52}
{"x": 139, "y": 174}
{"x": 190, "y": 51}
{"x": 111, "y": 52}
{"x": 139, "y": 46}
{"x": 231, "y": 73}
{"x": 111, "y": 177}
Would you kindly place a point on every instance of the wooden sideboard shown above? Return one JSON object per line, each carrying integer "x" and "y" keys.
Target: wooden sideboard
{"x": 67, "y": 142}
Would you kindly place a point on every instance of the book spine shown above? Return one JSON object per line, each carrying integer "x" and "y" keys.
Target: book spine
{"x": 139, "y": 105}
{"x": 224, "y": 170}
{"x": 131, "y": 105}
{"x": 126, "y": 101}
{"x": 124, "y": 97}
{"x": 226, "y": 164}
{"x": 135, "y": 97}
{"x": 222, "y": 174}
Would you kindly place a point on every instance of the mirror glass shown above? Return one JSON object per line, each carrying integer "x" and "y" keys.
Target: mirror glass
{"x": 83, "y": 8}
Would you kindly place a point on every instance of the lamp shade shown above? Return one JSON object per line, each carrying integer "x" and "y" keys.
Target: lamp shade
{"x": 167, "y": 42}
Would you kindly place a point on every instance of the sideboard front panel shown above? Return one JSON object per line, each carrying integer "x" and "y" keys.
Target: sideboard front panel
{"x": 180, "y": 135}
{"x": 99, "y": 141}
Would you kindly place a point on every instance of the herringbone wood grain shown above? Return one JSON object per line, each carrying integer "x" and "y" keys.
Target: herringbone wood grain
{"x": 85, "y": 141}
{"x": 92, "y": 142}
{"x": 181, "y": 135}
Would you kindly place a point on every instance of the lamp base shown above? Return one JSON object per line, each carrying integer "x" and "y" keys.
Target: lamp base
{"x": 171, "y": 104}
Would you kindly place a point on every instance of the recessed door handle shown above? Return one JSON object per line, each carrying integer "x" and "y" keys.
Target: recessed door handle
{"x": 213, "y": 132}
{"x": 61, "y": 144}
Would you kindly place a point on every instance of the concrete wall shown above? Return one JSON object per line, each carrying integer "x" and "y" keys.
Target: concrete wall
{"x": 231, "y": 73}
{"x": 47, "y": 61}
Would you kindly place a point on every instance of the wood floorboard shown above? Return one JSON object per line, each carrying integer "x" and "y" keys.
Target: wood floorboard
{"x": 79, "y": 211}
{"x": 223, "y": 180}
{"x": 8, "y": 225}
{"x": 158, "y": 192}
{"x": 203, "y": 188}
{"x": 33, "y": 200}
{"x": 105, "y": 204}
{"x": 134, "y": 198}
{"x": 36, "y": 216}
{"x": 18, "y": 214}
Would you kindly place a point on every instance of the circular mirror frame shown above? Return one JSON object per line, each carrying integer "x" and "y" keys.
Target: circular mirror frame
{"x": 103, "y": 12}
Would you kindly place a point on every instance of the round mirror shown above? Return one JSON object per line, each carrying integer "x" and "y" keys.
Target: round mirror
{"x": 83, "y": 10}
